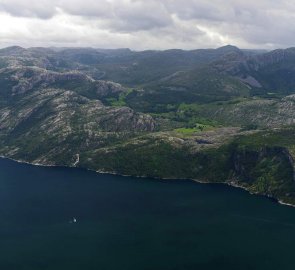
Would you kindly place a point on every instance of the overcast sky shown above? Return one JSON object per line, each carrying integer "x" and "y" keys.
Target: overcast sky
{"x": 148, "y": 24}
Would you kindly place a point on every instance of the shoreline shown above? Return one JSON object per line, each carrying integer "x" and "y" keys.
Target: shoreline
{"x": 230, "y": 184}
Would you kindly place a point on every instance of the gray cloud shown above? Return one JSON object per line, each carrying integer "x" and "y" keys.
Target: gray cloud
{"x": 28, "y": 8}
{"x": 141, "y": 24}
{"x": 136, "y": 15}
{"x": 87, "y": 8}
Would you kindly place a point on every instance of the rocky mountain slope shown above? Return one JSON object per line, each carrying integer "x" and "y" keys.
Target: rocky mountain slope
{"x": 41, "y": 115}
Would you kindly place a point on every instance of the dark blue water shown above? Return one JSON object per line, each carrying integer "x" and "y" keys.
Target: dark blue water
{"x": 127, "y": 223}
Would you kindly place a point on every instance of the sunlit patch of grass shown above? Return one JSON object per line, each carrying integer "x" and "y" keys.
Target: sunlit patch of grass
{"x": 198, "y": 128}
{"x": 121, "y": 100}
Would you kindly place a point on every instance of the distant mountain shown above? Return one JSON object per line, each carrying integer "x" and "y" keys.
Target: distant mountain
{"x": 121, "y": 65}
{"x": 271, "y": 72}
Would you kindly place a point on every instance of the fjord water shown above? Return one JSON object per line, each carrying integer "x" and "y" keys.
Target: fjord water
{"x": 129, "y": 223}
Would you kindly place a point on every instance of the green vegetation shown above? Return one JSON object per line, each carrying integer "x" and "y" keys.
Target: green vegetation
{"x": 198, "y": 128}
{"x": 280, "y": 138}
{"x": 201, "y": 86}
{"x": 120, "y": 101}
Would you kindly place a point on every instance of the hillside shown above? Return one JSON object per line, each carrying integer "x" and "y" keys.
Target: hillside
{"x": 225, "y": 115}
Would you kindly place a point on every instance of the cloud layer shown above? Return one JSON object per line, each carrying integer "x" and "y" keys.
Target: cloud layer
{"x": 152, "y": 24}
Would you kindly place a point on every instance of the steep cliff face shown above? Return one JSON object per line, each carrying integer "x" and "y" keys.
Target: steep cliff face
{"x": 248, "y": 163}
{"x": 265, "y": 170}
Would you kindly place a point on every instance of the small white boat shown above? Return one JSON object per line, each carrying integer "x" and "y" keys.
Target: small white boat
{"x": 73, "y": 220}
